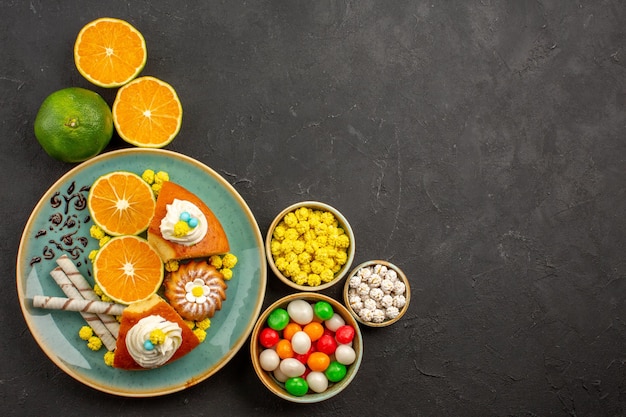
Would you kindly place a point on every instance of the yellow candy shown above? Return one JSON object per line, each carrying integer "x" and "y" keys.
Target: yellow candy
{"x": 161, "y": 177}
{"x": 85, "y": 332}
{"x": 227, "y": 273}
{"x": 229, "y": 260}
{"x": 200, "y": 334}
{"x": 204, "y": 324}
{"x": 94, "y": 343}
{"x": 181, "y": 228}
{"x": 109, "y": 357}
{"x": 314, "y": 280}
{"x": 148, "y": 176}
{"x": 279, "y": 232}
{"x": 96, "y": 232}
{"x": 290, "y": 219}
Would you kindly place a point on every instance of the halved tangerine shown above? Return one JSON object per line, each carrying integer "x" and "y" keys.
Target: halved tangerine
{"x": 121, "y": 203}
{"x": 110, "y": 52}
{"x": 127, "y": 269}
{"x": 147, "y": 113}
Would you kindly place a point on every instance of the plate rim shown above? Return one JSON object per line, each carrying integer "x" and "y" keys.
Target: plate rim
{"x": 20, "y": 274}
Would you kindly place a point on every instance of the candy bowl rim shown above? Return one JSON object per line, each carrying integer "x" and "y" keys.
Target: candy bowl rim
{"x": 276, "y": 387}
{"x": 401, "y": 275}
{"x": 343, "y": 221}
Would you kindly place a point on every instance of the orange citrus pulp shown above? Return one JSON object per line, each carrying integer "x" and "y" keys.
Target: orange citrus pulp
{"x": 110, "y": 52}
{"x": 127, "y": 269}
{"x": 121, "y": 203}
{"x": 147, "y": 112}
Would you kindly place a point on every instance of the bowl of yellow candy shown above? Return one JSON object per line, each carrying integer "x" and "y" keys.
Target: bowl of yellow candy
{"x": 310, "y": 246}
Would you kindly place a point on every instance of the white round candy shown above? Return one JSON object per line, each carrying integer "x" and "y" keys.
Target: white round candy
{"x": 279, "y": 375}
{"x": 399, "y": 301}
{"x": 345, "y": 354}
{"x": 355, "y": 281}
{"x": 374, "y": 281}
{"x": 399, "y": 287}
{"x": 300, "y": 342}
{"x": 366, "y": 314}
{"x": 317, "y": 381}
{"x": 269, "y": 360}
{"x": 356, "y": 306}
{"x": 354, "y": 298}
{"x": 378, "y": 316}
{"x": 386, "y": 301}
{"x": 292, "y": 367}
{"x": 300, "y": 311}
{"x": 363, "y": 289}
{"x": 365, "y": 272}
{"x": 335, "y": 322}
{"x": 392, "y": 312}
{"x": 386, "y": 285}
{"x": 376, "y": 294}
{"x": 380, "y": 269}
{"x": 391, "y": 275}
{"x": 370, "y": 304}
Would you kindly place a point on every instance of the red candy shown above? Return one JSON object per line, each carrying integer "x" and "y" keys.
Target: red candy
{"x": 344, "y": 334}
{"x": 268, "y": 337}
{"x": 304, "y": 357}
{"x": 326, "y": 344}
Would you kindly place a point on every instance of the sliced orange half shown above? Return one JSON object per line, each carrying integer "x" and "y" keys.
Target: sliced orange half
{"x": 127, "y": 269}
{"x": 121, "y": 203}
{"x": 110, "y": 52}
{"x": 147, "y": 112}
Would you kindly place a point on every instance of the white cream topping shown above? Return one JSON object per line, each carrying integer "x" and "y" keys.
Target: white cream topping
{"x": 172, "y": 217}
{"x": 159, "y": 353}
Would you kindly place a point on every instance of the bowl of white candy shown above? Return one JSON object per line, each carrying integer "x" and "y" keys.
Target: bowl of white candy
{"x": 377, "y": 293}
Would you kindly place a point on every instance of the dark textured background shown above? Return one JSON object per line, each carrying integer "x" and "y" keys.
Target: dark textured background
{"x": 479, "y": 145}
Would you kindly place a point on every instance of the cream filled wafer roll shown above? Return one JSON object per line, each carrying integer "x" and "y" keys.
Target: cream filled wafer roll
{"x": 79, "y": 281}
{"x": 78, "y": 304}
{"x": 85, "y": 290}
{"x": 91, "y": 318}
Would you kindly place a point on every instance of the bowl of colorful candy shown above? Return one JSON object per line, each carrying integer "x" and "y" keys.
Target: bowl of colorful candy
{"x": 310, "y": 246}
{"x": 306, "y": 347}
{"x": 377, "y": 293}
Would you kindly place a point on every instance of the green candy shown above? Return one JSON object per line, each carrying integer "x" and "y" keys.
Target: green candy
{"x": 296, "y": 386}
{"x": 323, "y": 310}
{"x": 278, "y": 319}
{"x": 335, "y": 371}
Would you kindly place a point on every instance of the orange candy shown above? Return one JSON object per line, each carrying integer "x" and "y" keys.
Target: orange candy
{"x": 291, "y": 329}
{"x": 315, "y": 330}
{"x": 318, "y": 361}
{"x": 284, "y": 349}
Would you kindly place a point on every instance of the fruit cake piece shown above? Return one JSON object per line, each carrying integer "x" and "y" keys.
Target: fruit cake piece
{"x": 152, "y": 334}
{"x": 183, "y": 226}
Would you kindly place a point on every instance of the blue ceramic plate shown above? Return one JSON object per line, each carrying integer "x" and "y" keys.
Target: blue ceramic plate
{"x": 60, "y": 225}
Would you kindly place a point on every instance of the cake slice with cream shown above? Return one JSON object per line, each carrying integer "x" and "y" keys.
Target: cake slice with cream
{"x": 183, "y": 226}
{"x": 152, "y": 334}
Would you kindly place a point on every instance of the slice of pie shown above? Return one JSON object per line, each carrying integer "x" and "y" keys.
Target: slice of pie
{"x": 152, "y": 334}
{"x": 183, "y": 226}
